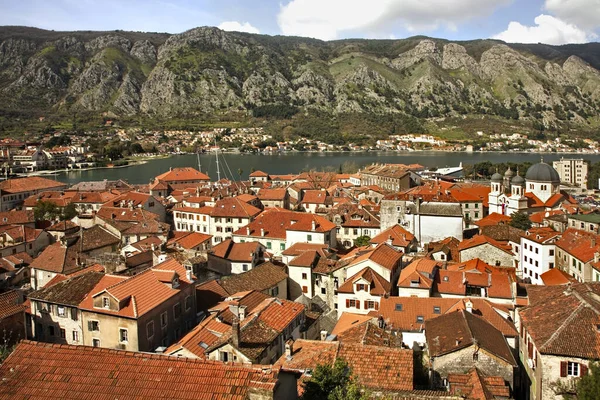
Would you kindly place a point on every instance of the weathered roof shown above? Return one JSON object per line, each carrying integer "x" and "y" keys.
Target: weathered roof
{"x": 34, "y": 370}
{"x": 261, "y": 277}
{"x": 69, "y": 292}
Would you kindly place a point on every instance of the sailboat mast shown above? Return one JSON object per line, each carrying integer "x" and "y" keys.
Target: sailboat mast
{"x": 199, "y": 164}
{"x": 217, "y": 157}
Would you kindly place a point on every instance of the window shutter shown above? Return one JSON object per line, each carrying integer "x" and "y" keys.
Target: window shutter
{"x": 376, "y": 306}
{"x": 74, "y": 314}
{"x": 89, "y": 325}
{"x": 358, "y": 304}
{"x": 347, "y": 303}
{"x": 530, "y": 350}
{"x": 583, "y": 369}
{"x": 366, "y": 305}
{"x": 563, "y": 369}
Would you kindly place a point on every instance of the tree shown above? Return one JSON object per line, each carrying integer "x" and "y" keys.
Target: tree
{"x": 45, "y": 211}
{"x": 69, "y": 212}
{"x": 362, "y": 241}
{"x": 520, "y": 221}
{"x": 333, "y": 383}
{"x": 588, "y": 387}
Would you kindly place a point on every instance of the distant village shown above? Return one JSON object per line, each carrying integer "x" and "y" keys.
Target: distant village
{"x": 427, "y": 285}
{"x": 17, "y": 156}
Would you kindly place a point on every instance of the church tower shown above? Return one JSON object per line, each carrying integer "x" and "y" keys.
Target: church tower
{"x": 494, "y": 198}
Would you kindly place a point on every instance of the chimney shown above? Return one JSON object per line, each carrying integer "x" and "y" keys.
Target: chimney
{"x": 389, "y": 240}
{"x": 323, "y": 335}
{"x": 469, "y": 306}
{"x": 262, "y": 232}
{"x": 457, "y": 342}
{"x": 247, "y": 231}
{"x": 235, "y": 333}
{"x": 242, "y": 313}
{"x": 313, "y": 225}
{"x": 289, "y": 349}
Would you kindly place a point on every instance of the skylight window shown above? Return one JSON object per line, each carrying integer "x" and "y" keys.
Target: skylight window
{"x": 398, "y": 307}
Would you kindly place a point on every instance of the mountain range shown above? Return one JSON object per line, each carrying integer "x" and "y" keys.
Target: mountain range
{"x": 205, "y": 71}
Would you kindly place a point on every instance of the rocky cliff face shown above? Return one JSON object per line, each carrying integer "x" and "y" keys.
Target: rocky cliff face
{"x": 206, "y": 70}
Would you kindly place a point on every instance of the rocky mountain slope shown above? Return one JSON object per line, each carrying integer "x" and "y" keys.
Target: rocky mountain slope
{"x": 206, "y": 70}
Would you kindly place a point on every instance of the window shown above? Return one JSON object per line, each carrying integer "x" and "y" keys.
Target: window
{"x": 164, "y": 320}
{"x": 398, "y": 307}
{"x": 269, "y": 245}
{"x": 323, "y": 290}
{"x": 304, "y": 275}
{"x": 371, "y": 305}
{"x": 75, "y": 336}
{"x": 105, "y": 302}
{"x": 550, "y": 265}
{"x": 275, "y": 291}
{"x": 420, "y": 319}
{"x": 572, "y": 369}
{"x": 282, "y": 246}
{"x": 188, "y": 303}
{"x": 51, "y": 330}
{"x": 309, "y": 238}
{"x": 551, "y": 252}
{"x": 245, "y": 267}
{"x": 467, "y": 205}
{"x": 96, "y": 342}
{"x": 63, "y": 333}
{"x": 150, "y": 329}
{"x": 304, "y": 289}
{"x": 74, "y": 314}
{"x": 93, "y": 326}
{"x": 352, "y": 304}
{"x": 360, "y": 286}
{"x": 177, "y": 310}
{"x": 123, "y": 335}
{"x": 437, "y": 310}
{"x": 61, "y": 311}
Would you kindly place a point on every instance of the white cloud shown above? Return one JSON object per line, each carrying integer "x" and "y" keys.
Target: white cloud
{"x": 238, "y": 27}
{"x": 327, "y": 19}
{"x": 547, "y": 29}
{"x": 583, "y": 13}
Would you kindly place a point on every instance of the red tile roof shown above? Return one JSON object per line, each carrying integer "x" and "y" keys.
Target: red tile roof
{"x": 189, "y": 240}
{"x": 564, "y": 322}
{"x": 142, "y": 292}
{"x": 11, "y": 303}
{"x": 479, "y": 240}
{"x": 461, "y": 329}
{"x": 400, "y": 236}
{"x": 236, "y": 252}
{"x": 556, "y": 276}
{"x": 473, "y": 385}
{"x": 185, "y": 174}
{"x": 40, "y": 370}
{"x": 234, "y": 208}
{"x": 492, "y": 220}
{"x": 419, "y": 273}
{"x": 19, "y": 185}
{"x": 580, "y": 244}
{"x": 349, "y": 320}
{"x": 379, "y": 286}
{"x": 401, "y": 312}
{"x": 388, "y": 369}
{"x": 383, "y": 255}
{"x": 276, "y": 222}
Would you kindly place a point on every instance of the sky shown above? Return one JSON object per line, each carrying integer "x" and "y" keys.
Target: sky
{"x": 522, "y": 21}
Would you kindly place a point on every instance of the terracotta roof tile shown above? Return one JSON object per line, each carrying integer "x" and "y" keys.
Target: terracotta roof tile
{"x": 276, "y": 222}
{"x": 260, "y": 278}
{"x": 230, "y": 250}
{"x": 379, "y": 286}
{"x": 11, "y": 303}
{"x": 185, "y": 174}
{"x": 400, "y": 236}
{"x": 383, "y": 255}
{"x": 35, "y": 370}
{"x": 461, "y": 329}
{"x": 19, "y": 185}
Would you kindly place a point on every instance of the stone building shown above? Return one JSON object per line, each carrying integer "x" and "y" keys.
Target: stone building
{"x": 460, "y": 341}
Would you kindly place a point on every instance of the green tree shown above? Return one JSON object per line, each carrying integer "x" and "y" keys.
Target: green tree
{"x": 362, "y": 241}
{"x": 333, "y": 383}
{"x": 588, "y": 387}
{"x": 520, "y": 221}
{"x": 69, "y": 212}
{"x": 46, "y": 211}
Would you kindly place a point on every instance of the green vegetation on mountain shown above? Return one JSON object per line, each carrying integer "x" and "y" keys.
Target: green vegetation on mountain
{"x": 347, "y": 90}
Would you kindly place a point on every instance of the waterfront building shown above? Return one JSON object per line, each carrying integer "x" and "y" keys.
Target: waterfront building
{"x": 573, "y": 171}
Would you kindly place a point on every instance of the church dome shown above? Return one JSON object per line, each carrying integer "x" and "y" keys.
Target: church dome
{"x": 496, "y": 177}
{"x": 517, "y": 180}
{"x": 542, "y": 172}
{"x": 509, "y": 173}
